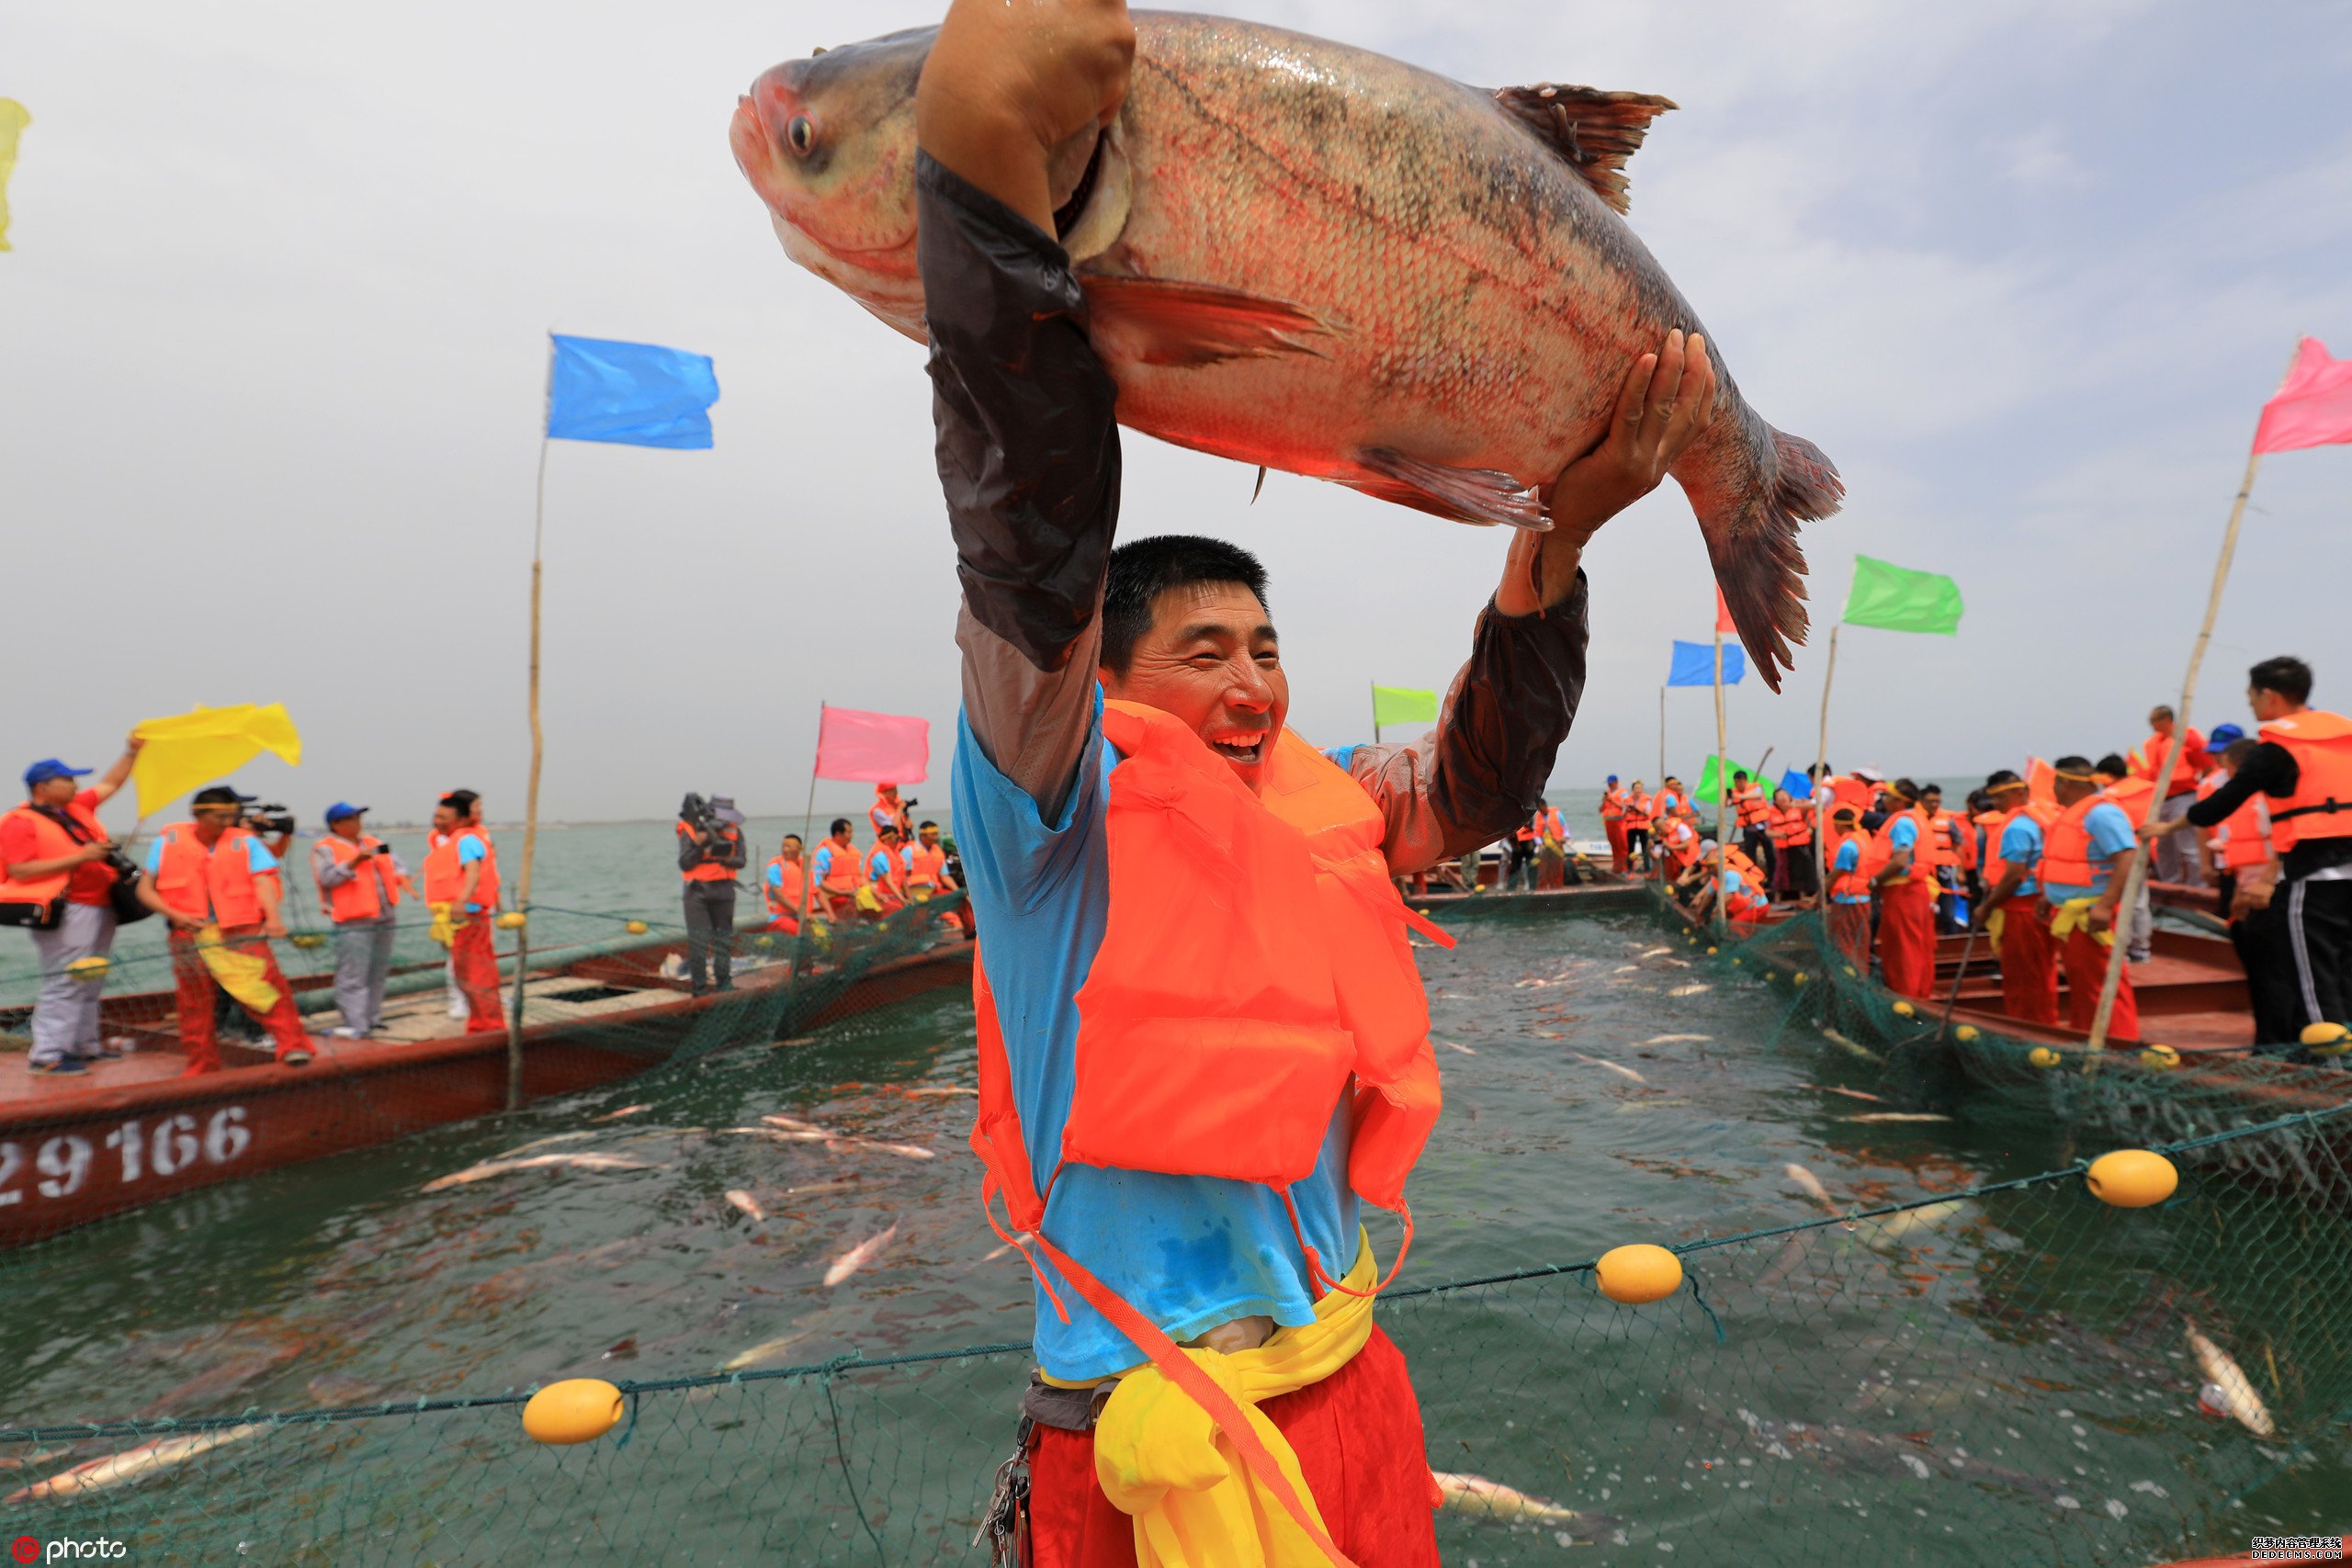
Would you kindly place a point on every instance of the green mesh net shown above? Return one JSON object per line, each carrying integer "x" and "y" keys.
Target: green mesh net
{"x": 2000, "y": 1369}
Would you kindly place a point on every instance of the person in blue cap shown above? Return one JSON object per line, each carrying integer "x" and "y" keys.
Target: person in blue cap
{"x": 57, "y": 871}
{"x": 360, "y": 883}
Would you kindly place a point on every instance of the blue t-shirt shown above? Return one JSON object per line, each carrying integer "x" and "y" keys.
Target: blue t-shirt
{"x": 877, "y": 864}
{"x": 2110, "y": 833}
{"x": 470, "y": 849}
{"x": 1848, "y": 858}
{"x": 1188, "y": 1252}
{"x": 822, "y": 865}
{"x": 1905, "y": 834}
{"x": 2021, "y": 846}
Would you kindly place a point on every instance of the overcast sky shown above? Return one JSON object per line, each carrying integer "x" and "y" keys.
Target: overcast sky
{"x": 272, "y": 350}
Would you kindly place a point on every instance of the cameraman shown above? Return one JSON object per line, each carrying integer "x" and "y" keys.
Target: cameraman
{"x": 710, "y": 852}
{"x": 53, "y": 853}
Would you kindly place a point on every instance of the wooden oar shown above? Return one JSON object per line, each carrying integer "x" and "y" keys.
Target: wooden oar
{"x": 1951, "y": 1001}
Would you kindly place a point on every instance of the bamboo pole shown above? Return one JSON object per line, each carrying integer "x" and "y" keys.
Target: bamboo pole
{"x": 531, "y": 792}
{"x": 1721, "y": 763}
{"x": 1661, "y": 738}
{"x": 1820, "y": 776}
{"x": 2136, "y": 877}
{"x": 1375, "y": 711}
{"x": 807, "y": 855}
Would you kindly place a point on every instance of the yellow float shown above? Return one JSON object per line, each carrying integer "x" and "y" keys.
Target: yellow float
{"x": 2326, "y": 1039}
{"x": 2043, "y": 1056}
{"x": 1905, "y": 1010}
{"x": 636, "y": 928}
{"x": 577, "y": 1410}
{"x": 89, "y": 969}
{"x": 1798, "y": 978}
{"x": 1965, "y": 1033}
{"x": 2133, "y": 1179}
{"x": 511, "y": 920}
{"x": 2162, "y": 1058}
{"x": 1638, "y": 1273}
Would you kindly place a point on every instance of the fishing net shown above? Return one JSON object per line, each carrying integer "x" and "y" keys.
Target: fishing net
{"x": 1991, "y": 1366}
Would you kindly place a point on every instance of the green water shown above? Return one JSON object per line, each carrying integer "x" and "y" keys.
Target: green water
{"x": 2007, "y": 1385}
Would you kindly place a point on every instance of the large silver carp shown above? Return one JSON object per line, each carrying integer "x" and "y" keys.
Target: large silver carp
{"x": 1306, "y": 257}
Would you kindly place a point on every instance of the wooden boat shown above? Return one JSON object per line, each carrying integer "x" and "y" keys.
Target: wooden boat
{"x": 132, "y": 1132}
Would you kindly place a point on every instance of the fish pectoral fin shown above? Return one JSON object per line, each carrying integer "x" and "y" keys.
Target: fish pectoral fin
{"x": 1161, "y": 322}
{"x": 1593, "y": 132}
{"x": 1483, "y": 496}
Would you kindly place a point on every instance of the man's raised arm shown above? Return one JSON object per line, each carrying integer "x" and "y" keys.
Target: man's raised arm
{"x": 1028, "y": 448}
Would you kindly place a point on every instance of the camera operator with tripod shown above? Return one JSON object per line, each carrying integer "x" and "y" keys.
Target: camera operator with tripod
{"x": 60, "y": 871}
{"x": 710, "y": 852}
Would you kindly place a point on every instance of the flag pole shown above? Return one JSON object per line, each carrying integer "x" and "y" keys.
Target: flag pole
{"x": 809, "y": 818}
{"x": 531, "y": 792}
{"x": 1723, "y": 763}
{"x": 1661, "y": 737}
{"x": 2136, "y": 877}
{"x": 1820, "y": 777}
{"x": 1375, "y": 711}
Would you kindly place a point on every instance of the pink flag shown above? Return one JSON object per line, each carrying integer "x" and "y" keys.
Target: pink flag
{"x": 878, "y": 747}
{"x": 1723, "y": 623}
{"x": 2314, "y": 408}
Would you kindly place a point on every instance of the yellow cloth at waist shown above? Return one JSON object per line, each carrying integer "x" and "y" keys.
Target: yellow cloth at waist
{"x": 2074, "y": 914}
{"x": 244, "y": 974}
{"x": 1163, "y": 1460}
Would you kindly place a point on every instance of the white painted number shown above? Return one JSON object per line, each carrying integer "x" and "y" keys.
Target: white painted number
{"x": 175, "y": 1144}
{"x": 63, "y": 1162}
{"x": 228, "y": 1136}
{"x": 12, "y": 1159}
{"x": 134, "y": 1150}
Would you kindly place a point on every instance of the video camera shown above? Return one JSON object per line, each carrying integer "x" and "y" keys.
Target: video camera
{"x": 697, "y": 813}
{"x": 268, "y": 816}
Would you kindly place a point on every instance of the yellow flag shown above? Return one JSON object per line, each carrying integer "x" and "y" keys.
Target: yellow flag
{"x": 189, "y": 750}
{"x": 14, "y": 117}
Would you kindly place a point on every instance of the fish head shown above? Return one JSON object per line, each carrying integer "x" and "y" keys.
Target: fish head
{"x": 828, "y": 144}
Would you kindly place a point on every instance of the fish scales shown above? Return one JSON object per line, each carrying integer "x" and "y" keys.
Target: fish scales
{"x": 1311, "y": 257}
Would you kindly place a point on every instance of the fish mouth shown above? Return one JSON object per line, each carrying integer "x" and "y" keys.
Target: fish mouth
{"x": 757, "y": 136}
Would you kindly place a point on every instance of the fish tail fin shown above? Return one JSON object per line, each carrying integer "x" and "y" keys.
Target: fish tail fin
{"x": 1751, "y": 530}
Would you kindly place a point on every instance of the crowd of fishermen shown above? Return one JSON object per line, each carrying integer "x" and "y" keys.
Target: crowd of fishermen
{"x": 2039, "y": 863}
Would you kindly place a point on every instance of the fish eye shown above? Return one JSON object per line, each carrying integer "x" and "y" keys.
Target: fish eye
{"x": 800, "y": 135}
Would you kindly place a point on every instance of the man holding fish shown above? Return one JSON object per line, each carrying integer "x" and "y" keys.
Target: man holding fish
{"x": 1204, "y": 1043}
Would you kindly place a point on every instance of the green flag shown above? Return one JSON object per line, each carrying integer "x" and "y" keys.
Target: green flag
{"x": 1900, "y": 600}
{"x": 1402, "y": 704}
{"x": 1714, "y": 781}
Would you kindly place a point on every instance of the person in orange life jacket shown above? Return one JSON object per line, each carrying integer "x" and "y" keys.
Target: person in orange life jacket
{"x": 211, "y": 872}
{"x": 2239, "y": 861}
{"x": 1637, "y": 828}
{"x": 889, "y": 811}
{"x": 461, "y": 888}
{"x": 1678, "y": 847}
{"x": 710, "y": 852}
{"x": 2302, "y": 767}
{"x": 360, "y": 882}
{"x": 2189, "y": 759}
{"x": 444, "y": 823}
{"x": 785, "y": 886}
{"x": 59, "y": 863}
{"x": 1906, "y": 895}
{"x": 834, "y": 868}
{"x": 2086, "y": 850}
{"x": 1952, "y": 857}
{"x": 1553, "y": 866}
{"x": 928, "y": 873}
{"x": 1155, "y": 1154}
{"x": 1847, "y": 857}
{"x": 1733, "y": 888}
{"x": 1752, "y": 815}
{"x": 1672, "y": 801}
{"x": 1794, "y": 873}
{"x": 1519, "y": 855}
{"x": 1612, "y": 825}
{"x": 885, "y": 870}
{"x": 2115, "y": 779}
{"x": 2013, "y": 829}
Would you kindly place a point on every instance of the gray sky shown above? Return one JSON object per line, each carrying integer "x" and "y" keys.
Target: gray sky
{"x": 272, "y": 338}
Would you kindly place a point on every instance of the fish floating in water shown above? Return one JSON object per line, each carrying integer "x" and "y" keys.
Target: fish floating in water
{"x": 1678, "y": 1040}
{"x": 624, "y": 1110}
{"x": 1453, "y": 1045}
{"x": 1655, "y": 951}
{"x": 133, "y": 1464}
{"x": 1306, "y": 257}
{"x": 2239, "y": 1401}
{"x": 1612, "y": 1066}
{"x": 761, "y": 1354}
{"x": 1926, "y": 1217}
{"x": 537, "y": 1162}
{"x": 1476, "y": 1495}
{"x": 1848, "y": 1093}
{"x": 858, "y": 1256}
{"x": 1694, "y": 988}
{"x": 748, "y": 1204}
{"x": 1812, "y": 1186}
{"x": 1850, "y": 1047}
{"x": 1896, "y": 1116}
{"x": 931, "y": 1091}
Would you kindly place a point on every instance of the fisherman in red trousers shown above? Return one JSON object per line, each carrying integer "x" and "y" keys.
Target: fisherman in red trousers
{"x": 1906, "y": 896}
{"x": 1202, "y": 1042}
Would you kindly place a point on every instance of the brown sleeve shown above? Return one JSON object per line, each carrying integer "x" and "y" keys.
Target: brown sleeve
{"x": 1479, "y": 775}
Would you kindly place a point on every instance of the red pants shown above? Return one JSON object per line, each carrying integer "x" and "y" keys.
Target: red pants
{"x": 2029, "y": 962}
{"x": 195, "y": 986}
{"x": 1358, "y": 1438}
{"x": 1619, "y": 861}
{"x": 1906, "y": 939}
{"x": 2085, "y": 958}
{"x": 1850, "y": 928}
{"x": 473, "y": 962}
{"x": 789, "y": 924}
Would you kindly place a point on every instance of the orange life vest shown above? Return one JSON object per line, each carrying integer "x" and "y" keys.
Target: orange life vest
{"x": 51, "y": 841}
{"x": 1957, "y": 845}
{"x": 926, "y": 867}
{"x": 1550, "y": 823}
{"x": 2321, "y": 806}
{"x": 1637, "y": 812}
{"x": 2067, "y": 844}
{"x": 1666, "y": 803}
{"x": 2184, "y": 768}
{"x": 207, "y": 885}
{"x": 2133, "y": 795}
{"x": 1869, "y": 859}
{"x": 1746, "y": 901}
{"x": 2246, "y": 835}
{"x": 893, "y": 880}
{"x": 788, "y": 894}
{"x": 1253, "y": 974}
{"x": 1856, "y": 793}
{"x": 1924, "y": 855}
{"x": 1681, "y": 841}
{"x": 1613, "y": 804}
{"x": 444, "y": 875}
{"x": 883, "y": 814}
{"x": 710, "y": 871}
{"x": 367, "y": 893}
{"x": 1791, "y": 827}
{"x": 842, "y": 873}
{"x": 1996, "y": 823}
{"x": 1754, "y": 811}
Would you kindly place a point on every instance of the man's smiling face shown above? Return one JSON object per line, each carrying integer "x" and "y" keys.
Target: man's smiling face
{"x": 1211, "y": 660}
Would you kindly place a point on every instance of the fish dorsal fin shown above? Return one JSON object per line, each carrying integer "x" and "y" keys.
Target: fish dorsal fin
{"x": 1594, "y": 131}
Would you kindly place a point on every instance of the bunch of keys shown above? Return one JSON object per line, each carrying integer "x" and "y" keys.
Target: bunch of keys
{"x": 1004, "y": 1523}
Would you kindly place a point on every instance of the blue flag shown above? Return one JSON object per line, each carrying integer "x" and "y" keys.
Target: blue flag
{"x": 1694, "y": 664}
{"x": 638, "y": 394}
{"x": 1800, "y": 788}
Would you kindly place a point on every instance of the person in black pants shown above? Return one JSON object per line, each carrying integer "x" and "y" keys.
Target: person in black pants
{"x": 710, "y": 852}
